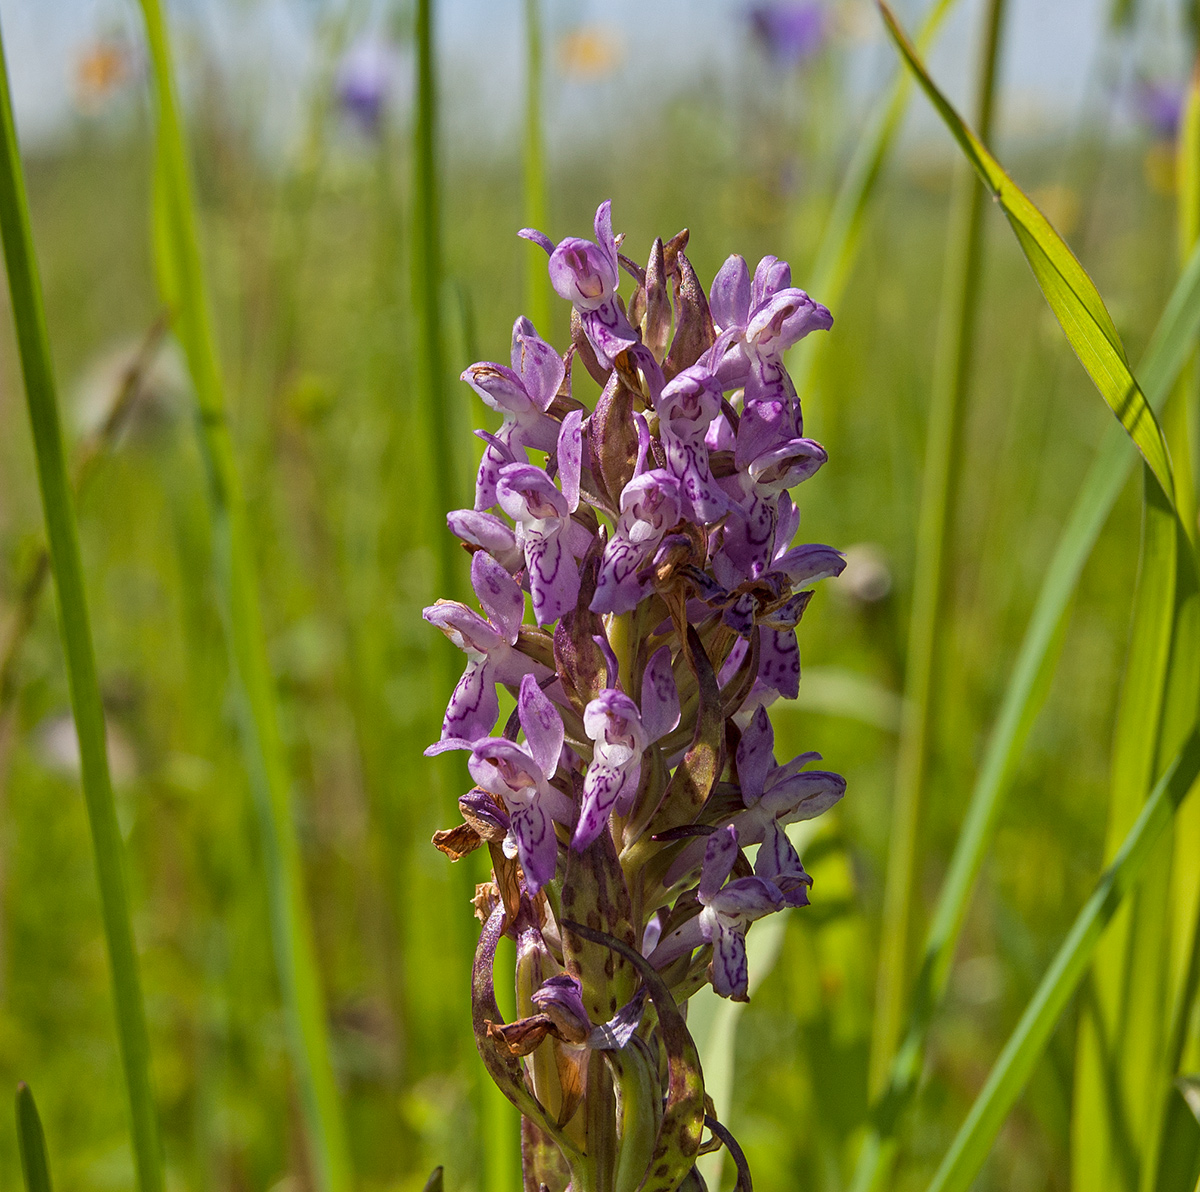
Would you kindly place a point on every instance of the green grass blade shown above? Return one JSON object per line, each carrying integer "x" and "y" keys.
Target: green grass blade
{"x": 1117, "y": 1049}
{"x": 75, "y": 629}
{"x": 1027, "y": 1042}
{"x": 427, "y": 296}
{"x": 182, "y": 276}
{"x": 952, "y": 371}
{"x": 1072, "y": 296}
{"x": 843, "y": 229}
{"x": 1168, "y": 349}
{"x": 537, "y": 282}
{"x": 31, "y": 1142}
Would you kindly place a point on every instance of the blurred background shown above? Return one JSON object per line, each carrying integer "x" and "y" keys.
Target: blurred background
{"x": 736, "y": 120}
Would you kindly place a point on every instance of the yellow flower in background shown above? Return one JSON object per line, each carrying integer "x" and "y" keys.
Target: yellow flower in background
{"x": 102, "y": 70}
{"x": 590, "y": 53}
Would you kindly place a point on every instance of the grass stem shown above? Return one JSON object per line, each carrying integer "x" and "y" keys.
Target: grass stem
{"x": 182, "y": 276}
{"x": 75, "y": 628}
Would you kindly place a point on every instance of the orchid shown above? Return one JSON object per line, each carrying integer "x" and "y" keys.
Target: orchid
{"x": 654, "y": 535}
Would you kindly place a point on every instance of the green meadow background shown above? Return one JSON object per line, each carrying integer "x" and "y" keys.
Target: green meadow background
{"x": 315, "y": 264}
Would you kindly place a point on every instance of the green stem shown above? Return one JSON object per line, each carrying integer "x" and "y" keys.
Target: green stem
{"x": 952, "y": 371}
{"x": 537, "y": 292}
{"x": 427, "y": 290}
{"x": 183, "y": 278}
{"x": 75, "y": 629}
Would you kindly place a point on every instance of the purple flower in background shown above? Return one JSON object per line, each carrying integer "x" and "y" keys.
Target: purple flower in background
{"x": 791, "y": 33}
{"x": 1159, "y": 107}
{"x": 366, "y": 78}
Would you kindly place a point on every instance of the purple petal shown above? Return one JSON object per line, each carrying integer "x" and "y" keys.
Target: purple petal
{"x": 618, "y": 587}
{"x": 804, "y": 796}
{"x": 488, "y": 531}
{"x": 755, "y": 756}
{"x": 805, "y": 565}
{"x": 537, "y": 238}
{"x": 446, "y": 744}
{"x": 569, "y": 454}
{"x": 604, "y": 232}
{"x": 612, "y": 668}
{"x": 747, "y": 898}
{"x": 660, "y": 696}
{"x": 505, "y": 769}
{"x": 720, "y": 852}
{"x": 602, "y": 786}
{"x": 527, "y": 494}
{"x": 616, "y": 1033}
{"x": 789, "y": 523}
{"x": 787, "y": 465}
{"x": 561, "y": 998}
{"x": 764, "y": 426}
{"x": 465, "y": 628}
{"x": 537, "y": 845}
{"x": 729, "y": 297}
{"x": 498, "y": 593}
{"x": 730, "y": 973}
{"x": 553, "y": 579}
{"x": 784, "y": 319}
{"x": 474, "y": 707}
{"x": 771, "y": 276}
{"x": 542, "y": 724}
{"x": 499, "y": 386}
{"x": 479, "y": 805}
{"x": 582, "y": 273}
{"x": 541, "y": 367}
{"x": 779, "y": 662}
{"x": 608, "y": 330}
{"x": 779, "y": 863}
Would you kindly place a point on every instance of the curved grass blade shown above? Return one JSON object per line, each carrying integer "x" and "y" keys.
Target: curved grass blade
{"x": 1072, "y": 296}
{"x": 952, "y": 369}
{"x": 75, "y": 631}
{"x": 1027, "y": 1042}
{"x": 31, "y": 1142}
{"x": 182, "y": 276}
{"x": 843, "y": 229}
{"x": 1164, "y": 357}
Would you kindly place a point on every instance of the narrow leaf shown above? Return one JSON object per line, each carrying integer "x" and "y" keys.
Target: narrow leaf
{"x": 31, "y": 1142}
{"x": 1072, "y": 296}
{"x": 75, "y": 632}
{"x": 1028, "y": 1041}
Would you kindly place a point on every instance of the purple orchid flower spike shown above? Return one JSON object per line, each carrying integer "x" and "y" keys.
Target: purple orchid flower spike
{"x": 650, "y": 505}
{"x": 655, "y": 524}
{"x": 552, "y": 542}
{"x": 587, "y": 274}
{"x": 489, "y": 646}
{"x": 791, "y": 32}
{"x": 522, "y": 394}
{"x": 520, "y": 776}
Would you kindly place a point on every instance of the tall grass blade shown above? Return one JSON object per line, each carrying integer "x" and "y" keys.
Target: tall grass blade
{"x": 1164, "y": 1135}
{"x": 31, "y": 1142}
{"x": 182, "y": 276}
{"x": 427, "y": 297}
{"x": 1164, "y": 357}
{"x": 840, "y": 240}
{"x": 1072, "y": 296}
{"x": 1118, "y": 1048}
{"x": 952, "y": 372}
{"x": 75, "y": 629}
{"x": 537, "y": 284}
{"x": 1025, "y": 1046}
